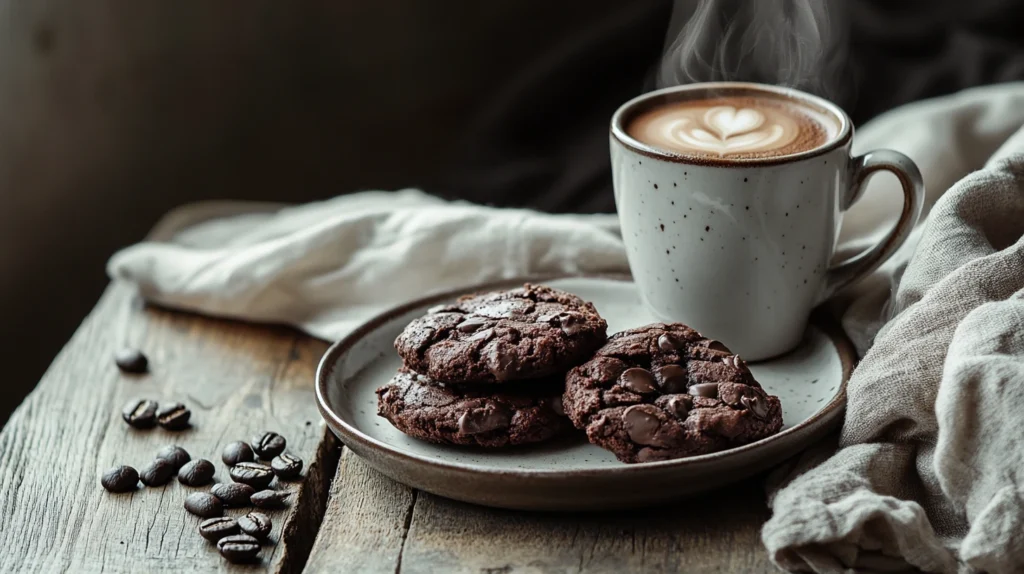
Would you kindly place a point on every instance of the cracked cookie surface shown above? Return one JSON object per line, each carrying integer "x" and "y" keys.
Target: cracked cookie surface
{"x": 663, "y": 391}
{"x": 518, "y": 413}
{"x": 531, "y": 332}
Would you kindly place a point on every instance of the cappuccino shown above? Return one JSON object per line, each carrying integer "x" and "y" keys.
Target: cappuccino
{"x": 734, "y": 127}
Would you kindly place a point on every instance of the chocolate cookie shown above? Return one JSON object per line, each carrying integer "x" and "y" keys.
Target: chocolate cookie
{"x": 524, "y": 333}
{"x": 521, "y": 413}
{"x": 664, "y": 391}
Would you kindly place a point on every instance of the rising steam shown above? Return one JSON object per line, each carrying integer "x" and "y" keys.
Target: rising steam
{"x": 795, "y": 43}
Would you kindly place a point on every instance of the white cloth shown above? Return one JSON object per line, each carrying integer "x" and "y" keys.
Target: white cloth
{"x": 933, "y": 446}
{"x": 327, "y": 267}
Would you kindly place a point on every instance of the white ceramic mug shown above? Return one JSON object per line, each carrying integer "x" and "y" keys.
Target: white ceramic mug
{"x": 740, "y": 250}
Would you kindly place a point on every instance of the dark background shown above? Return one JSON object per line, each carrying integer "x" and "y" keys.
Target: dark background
{"x": 114, "y": 111}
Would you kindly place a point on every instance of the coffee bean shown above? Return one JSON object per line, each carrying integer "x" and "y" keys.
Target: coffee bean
{"x": 140, "y": 413}
{"x": 213, "y": 529}
{"x": 198, "y": 472}
{"x": 173, "y": 417}
{"x": 286, "y": 466}
{"x": 131, "y": 360}
{"x": 267, "y": 445}
{"x": 203, "y": 505}
{"x": 270, "y": 499}
{"x": 233, "y": 493}
{"x": 175, "y": 455}
{"x": 238, "y": 547}
{"x": 237, "y": 452}
{"x": 157, "y": 473}
{"x": 120, "y": 479}
{"x": 254, "y": 474}
{"x": 256, "y": 524}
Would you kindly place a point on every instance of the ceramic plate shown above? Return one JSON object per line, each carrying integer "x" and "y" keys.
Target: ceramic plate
{"x": 570, "y": 473}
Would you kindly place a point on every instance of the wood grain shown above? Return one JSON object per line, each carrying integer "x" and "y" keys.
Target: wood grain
{"x": 374, "y": 524}
{"x": 236, "y": 378}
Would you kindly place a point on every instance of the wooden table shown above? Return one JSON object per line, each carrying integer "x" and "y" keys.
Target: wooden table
{"x": 344, "y": 517}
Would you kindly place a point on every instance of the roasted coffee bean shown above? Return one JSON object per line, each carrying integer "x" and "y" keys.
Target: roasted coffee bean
{"x": 173, "y": 417}
{"x": 233, "y": 493}
{"x": 140, "y": 413}
{"x": 270, "y": 499}
{"x": 175, "y": 455}
{"x": 198, "y": 472}
{"x": 213, "y": 529}
{"x": 268, "y": 444}
{"x": 286, "y": 466}
{"x": 238, "y": 547}
{"x": 157, "y": 473}
{"x": 254, "y": 474}
{"x": 131, "y": 360}
{"x": 256, "y": 524}
{"x": 120, "y": 479}
{"x": 237, "y": 452}
{"x": 203, "y": 505}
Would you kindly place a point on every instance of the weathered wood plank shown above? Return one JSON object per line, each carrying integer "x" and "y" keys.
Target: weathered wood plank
{"x": 236, "y": 378}
{"x": 368, "y": 528}
{"x": 368, "y": 521}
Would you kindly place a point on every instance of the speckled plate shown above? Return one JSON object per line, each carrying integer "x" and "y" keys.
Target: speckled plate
{"x": 570, "y": 473}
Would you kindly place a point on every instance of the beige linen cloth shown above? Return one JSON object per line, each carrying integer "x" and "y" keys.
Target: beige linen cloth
{"x": 930, "y": 468}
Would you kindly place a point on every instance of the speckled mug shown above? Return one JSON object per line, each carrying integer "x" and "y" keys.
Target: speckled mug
{"x": 740, "y": 249}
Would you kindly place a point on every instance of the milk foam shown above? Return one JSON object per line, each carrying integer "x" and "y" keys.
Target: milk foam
{"x": 732, "y": 127}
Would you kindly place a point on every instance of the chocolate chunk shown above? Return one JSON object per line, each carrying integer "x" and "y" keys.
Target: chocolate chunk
{"x": 642, "y": 425}
{"x": 470, "y": 325}
{"x": 638, "y": 380}
{"x": 679, "y": 406}
{"x": 671, "y": 379}
{"x": 668, "y": 343}
{"x": 756, "y": 405}
{"x": 736, "y": 362}
{"x": 706, "y": 390}
{"x": 476, "y": 421}
{"x": 571, "y": 323}
{"x": 483, "y": 335}
{"x": 501, "y": 362}
{"x": 717, "y": 346}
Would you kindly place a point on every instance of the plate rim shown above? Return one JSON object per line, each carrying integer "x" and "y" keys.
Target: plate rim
{"x": 819, "y": 318}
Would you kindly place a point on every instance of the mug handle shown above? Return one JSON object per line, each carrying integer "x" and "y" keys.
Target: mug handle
{"x": 862, "y": 167}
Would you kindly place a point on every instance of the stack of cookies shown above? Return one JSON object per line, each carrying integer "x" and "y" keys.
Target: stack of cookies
{"x": 490, "y": 369}
{"x": 522, "y": 366}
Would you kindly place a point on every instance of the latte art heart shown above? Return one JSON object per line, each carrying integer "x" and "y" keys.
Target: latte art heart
{"x": 724, "y": 129}
{"x": 727, "y": 120}
{"x": 730, "y": 127}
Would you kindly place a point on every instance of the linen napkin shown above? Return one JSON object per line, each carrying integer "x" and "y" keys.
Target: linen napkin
{"x": 916, "y": 482}
{"x": 930, "y": 468}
